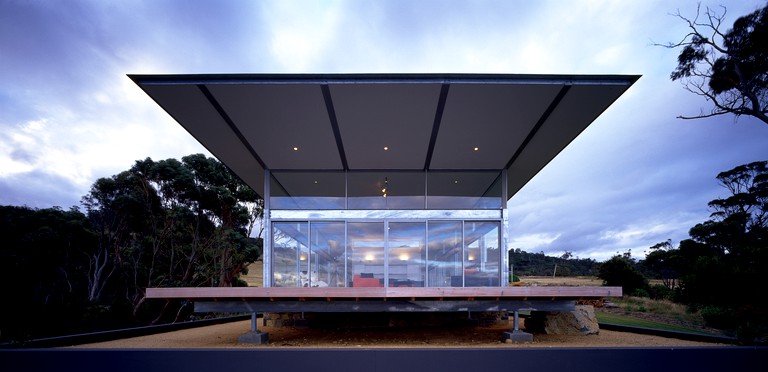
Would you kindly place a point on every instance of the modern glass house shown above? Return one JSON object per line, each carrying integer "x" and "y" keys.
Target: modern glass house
{"x": 385, "y": 180}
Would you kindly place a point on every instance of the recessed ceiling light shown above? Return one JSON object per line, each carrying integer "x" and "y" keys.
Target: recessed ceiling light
{"x": 315, "y": 182}
{"x": 477, "y": 148}
{"x": 455, "y": 181}
{"x": 295, "y": 148}
{"x": 386, "y": 148}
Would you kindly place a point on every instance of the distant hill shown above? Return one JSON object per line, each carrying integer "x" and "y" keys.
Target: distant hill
{"x": 537, "y": 264}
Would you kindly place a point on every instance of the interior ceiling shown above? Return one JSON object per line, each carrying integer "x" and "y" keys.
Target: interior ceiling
{"x": 321, "y": 122}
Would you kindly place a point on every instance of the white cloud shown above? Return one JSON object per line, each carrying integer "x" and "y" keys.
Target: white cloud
{"x": 637, "y": 176}
{"x": 532, "y": 242}
{"x": 301, "y": 34}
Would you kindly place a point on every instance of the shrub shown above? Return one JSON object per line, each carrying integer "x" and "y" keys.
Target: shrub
{"x": 717, "y": 317}
{"x": 619, "y": 271}
{"x": 640, "y": 292}
{"x": 661, "y": 292}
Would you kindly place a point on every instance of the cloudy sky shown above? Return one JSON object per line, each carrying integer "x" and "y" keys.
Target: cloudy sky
{"x": 635, "y": 177}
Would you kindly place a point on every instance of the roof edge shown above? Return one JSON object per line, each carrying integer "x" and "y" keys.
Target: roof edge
{"x": 375, "y": 78}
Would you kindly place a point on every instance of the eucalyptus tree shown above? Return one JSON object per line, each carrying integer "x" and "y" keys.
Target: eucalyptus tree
{"x": 728, "y": 68}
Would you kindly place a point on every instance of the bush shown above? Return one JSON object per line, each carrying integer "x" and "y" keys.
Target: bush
{"x": 717, "y": 317}
{"x": 640, "y": 292}
{"x": 661, "y": 292}
{"x": 619, "y": 271}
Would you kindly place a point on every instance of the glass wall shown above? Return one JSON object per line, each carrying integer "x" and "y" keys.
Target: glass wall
{"x": 365, "y": 254}
{"x": 299, "y": 190}
{"x": 464, "y": 190}
{"x": 444, "y": 254}
{"x": 386, "y": 190}
{"x": 407, "y": 254}
{"x": 289, "y": 254}
{"x": 482, "y": 255}
{"x": 327, "y": 247}
{"x": 307, "y": 190}
{"x": 434, "y": 253}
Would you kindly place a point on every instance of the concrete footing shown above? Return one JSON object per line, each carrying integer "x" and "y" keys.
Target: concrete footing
{"x": 256, "y": 338}
{"x": 516, "y": 336}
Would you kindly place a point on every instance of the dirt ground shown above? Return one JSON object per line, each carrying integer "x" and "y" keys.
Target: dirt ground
{"x": 225, "y": 336}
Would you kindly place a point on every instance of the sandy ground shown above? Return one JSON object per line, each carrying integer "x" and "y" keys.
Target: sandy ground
{"x": 225, "y": 336}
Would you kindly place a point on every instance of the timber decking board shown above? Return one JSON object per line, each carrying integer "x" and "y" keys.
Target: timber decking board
{"x": 330, "y": 294}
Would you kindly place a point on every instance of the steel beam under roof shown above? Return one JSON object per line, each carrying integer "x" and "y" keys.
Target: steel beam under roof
{"x": 405, "y": 122}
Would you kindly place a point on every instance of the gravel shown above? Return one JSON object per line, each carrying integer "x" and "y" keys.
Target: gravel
{"x": 225, "y": 336}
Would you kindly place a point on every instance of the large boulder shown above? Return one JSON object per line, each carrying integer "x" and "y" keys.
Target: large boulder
{"x": 580, "y": 321}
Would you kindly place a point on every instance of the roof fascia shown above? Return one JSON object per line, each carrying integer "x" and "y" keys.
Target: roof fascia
{"x": 384, "y": 79}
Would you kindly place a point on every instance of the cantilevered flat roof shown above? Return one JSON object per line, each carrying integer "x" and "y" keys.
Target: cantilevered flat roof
{"x": 433, "y": 122}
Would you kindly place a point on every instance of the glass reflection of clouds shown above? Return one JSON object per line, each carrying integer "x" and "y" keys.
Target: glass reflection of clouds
{"x": 405, "y": 190}
{"x": 289, "y": 245}
{"x": 327, "y": 246}
{"x": 407, "y": 250}
{"x": 435, "y": 253}
{"x": 365, "y": 249}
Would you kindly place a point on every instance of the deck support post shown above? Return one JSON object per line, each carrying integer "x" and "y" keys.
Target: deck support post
{"x": 254, "y": 336}
{"x": 516, "y": 335}
{"x": 516, "y": 321}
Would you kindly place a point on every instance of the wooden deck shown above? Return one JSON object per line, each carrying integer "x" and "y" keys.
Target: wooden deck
{"x": 331, "y": 294}
{"x": 378, "y": 299}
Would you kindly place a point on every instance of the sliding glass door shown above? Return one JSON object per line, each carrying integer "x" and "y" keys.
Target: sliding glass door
{"x": 406, "y": 242}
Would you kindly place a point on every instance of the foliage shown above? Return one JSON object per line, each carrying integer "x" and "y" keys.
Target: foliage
{"x": 538, "y": 264}
{"x": 660, "y": 292}
{"x": 717, "y": 317}
{"x": 721, "y": 267}
{"x": 663, "y": 262}
{"x": 641, "y": 292}
{"x": 661, "y": 308}
{"x": 728, "y": 68}
{"x": 629, "y": 320}
{"x": 40, "y": 269}
{"x": 621, "y": 272}
{"x": 164, "y": 223}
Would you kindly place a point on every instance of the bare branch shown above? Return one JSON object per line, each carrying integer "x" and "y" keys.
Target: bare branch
{"x": 702, "y": 116}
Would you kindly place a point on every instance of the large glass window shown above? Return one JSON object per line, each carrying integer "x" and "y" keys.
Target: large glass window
{"x": 407, "y": 254}
{"x": 307, "y": 190}
{"x": 365, "y": 254}
{"x": 327, "y": 245}
{"x": 482, "y": 255}
{"x": 444, "y": 254}
{"x": 464, "y": 190}
{"x": 434, "y": 253}
{"x": 289, "y": 253}
{"x": 386, "y": 190}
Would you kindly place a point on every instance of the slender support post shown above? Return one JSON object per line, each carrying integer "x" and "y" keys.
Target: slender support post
{"x": 516, "y": 335}
{"x": 254, "y": 336}
{"x": 516, "y": 321}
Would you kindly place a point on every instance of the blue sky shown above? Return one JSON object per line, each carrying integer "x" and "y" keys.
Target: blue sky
{"x": 635, "y": 177}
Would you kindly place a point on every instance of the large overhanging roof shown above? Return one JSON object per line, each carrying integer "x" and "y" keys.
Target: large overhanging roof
{"x": 432, "y": 122}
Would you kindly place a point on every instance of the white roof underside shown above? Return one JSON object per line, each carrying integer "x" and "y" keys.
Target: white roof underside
{"x": 343, "y": 122}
